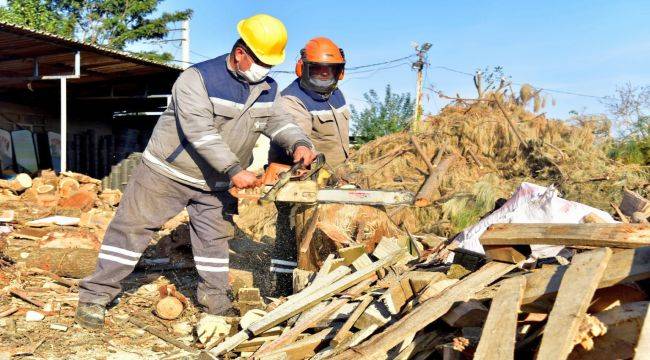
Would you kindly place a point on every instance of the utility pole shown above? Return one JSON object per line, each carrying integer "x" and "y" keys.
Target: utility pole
{"x": 185, "y": 43}
{"x": 418, "y": 65}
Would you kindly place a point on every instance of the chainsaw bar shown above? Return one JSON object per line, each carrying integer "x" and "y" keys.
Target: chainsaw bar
{"x": 364, "y": 197}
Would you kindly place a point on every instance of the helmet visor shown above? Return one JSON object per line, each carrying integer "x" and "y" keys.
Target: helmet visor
{"x": 322, "y": 77}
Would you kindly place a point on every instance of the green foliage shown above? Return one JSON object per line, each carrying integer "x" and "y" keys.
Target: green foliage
{"x": 381, "y": 118}
{"x": 634, "y": 149}
{"x": 464, "y": 211}
{"x": 43, "y": 15}
{"x": 111, "y": 23}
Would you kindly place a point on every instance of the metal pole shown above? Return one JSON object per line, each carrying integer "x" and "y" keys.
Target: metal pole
{"x": 185, "y": 43}
{"x": 64, "y": 124}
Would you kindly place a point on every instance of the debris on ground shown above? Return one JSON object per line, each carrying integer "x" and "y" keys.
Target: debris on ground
{"x": 377, "y": 281}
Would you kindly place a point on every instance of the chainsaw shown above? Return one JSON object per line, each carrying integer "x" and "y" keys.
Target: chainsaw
{"x": 296, "y": 184}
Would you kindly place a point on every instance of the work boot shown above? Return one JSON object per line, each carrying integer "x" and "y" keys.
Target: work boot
{"x": 282, "y": 285}
{"x": 90, "y": 316}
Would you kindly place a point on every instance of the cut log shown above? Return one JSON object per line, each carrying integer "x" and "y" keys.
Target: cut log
{"x": 429, "y": 188}
{"x": 17, "y": 184}
{"x": 81, "y": 178}
{"x": 428, "y": 312}
{"x": 73, "y": 263}
{"x": 68, "y": 186}
{"x": 169, "y": 308}
{"x": 596, "y": 235}
{"x": 499, "y": 333}
{"x": 563, "y": 323}
{"x": 81, "y": 200}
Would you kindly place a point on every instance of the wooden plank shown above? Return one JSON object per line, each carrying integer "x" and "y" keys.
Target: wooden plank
{"x": 596, "y": 235}
{"x": 584, "y": 273}
{"x": 421, "y": 279}
{"x": 301, "y": 349}
{"x": 362, "y": 262}
{"x": 293, "y": 307}
{"x": 642, "y": 349}
{"x": 428, "y": 312}
{"x": 624, "y": 266}
{"x": 325, "y": 269}
{"x": 499, "y": 332}
{"x": 504, "y": 253}
{"x": 397, "y": 295}
{"x": 344, "y": 331}
{"x": 623, "y": 326}
{"x": 466, "y": 314}
{"x": 291, "y": 335}
{"x": 351, "y": 253}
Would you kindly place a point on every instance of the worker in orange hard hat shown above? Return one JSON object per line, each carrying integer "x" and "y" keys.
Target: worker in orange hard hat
{"x": 317, "y": 105}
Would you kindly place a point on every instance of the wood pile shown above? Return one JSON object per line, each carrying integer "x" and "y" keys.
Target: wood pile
{"x": 390, "y": 304}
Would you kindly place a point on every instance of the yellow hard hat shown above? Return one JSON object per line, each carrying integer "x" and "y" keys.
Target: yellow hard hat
{"x": 266, "y": 36}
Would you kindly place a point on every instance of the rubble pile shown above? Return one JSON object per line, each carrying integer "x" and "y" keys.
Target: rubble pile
{"x": 391, "y": 304}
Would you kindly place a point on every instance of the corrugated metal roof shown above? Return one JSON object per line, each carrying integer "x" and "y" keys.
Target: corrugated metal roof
{"x": 20, "y": 46}
{"x": 22, "y": 30}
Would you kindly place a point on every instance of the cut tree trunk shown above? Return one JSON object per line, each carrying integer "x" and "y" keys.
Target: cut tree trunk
{"x": 430, "y": 186}
{"x": 73, "y": 263}
{"x": 18, "y": 184}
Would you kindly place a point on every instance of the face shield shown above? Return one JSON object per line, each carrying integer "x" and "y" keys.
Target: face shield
{"x": 320, "y": 77}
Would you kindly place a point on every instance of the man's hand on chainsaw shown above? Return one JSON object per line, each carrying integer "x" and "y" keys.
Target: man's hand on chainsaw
{"x": 304, "y": 154}
{"x": 244, "y": 180}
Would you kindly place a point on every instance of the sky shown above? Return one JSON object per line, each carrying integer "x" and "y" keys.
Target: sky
{"x": 582, "y": 47}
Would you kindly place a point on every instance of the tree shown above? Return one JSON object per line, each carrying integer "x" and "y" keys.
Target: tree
{"x": 39, "y": 15}
{"x": 111, "y": 23}
{"x": 380, "y": 118}
{"x": 631, "y": 107}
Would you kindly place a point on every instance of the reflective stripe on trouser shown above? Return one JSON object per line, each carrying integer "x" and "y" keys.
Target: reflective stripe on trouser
{"x": 283, "y": 256}
{"x": 149, "y": 200}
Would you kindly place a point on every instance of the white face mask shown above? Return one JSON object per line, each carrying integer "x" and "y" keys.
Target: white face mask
{"x": 255, "y": 74}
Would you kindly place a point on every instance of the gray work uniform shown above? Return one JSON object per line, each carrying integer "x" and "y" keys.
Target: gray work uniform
{"x": 205, "y": 136}
{"x": 326, "y": 120}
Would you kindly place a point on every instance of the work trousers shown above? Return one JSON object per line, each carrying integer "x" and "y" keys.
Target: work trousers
{"x": 149, "y": 200}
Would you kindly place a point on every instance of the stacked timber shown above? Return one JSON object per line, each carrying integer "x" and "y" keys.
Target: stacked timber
{"x": 390, "y": 304}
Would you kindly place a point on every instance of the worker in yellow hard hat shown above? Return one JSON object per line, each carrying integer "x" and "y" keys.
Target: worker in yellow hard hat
{"x": 200, "y": 147}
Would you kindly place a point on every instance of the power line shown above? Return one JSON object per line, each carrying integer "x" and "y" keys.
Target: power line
{"x": 380, "y": 63}
{"x": 351, "y": 70}
{"x": 516, "y": 83}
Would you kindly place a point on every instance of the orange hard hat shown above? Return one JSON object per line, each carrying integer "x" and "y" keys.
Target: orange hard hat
{"x": 320, "y": 51}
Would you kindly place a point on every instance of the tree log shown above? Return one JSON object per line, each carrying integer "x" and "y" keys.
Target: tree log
{"x": 73, "y": 263}
{"x": 425, "y": 195}
{"x": 17, "y": 184}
